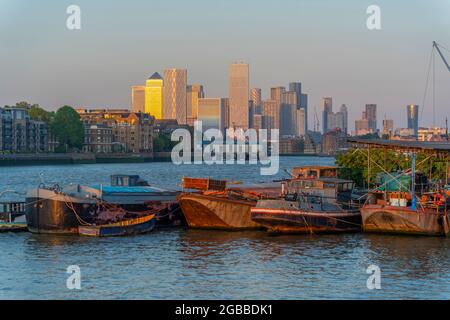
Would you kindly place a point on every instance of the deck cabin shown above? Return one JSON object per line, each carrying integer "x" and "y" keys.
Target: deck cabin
{"x": 314, "y": 172}
{"x": 319, "y": 191}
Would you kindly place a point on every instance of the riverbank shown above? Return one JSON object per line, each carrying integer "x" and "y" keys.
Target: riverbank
{"x": 80, "y": 158}
{"x": 39, "y": 159}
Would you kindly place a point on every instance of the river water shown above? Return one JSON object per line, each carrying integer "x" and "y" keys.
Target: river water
{"x": 194, "y": 264}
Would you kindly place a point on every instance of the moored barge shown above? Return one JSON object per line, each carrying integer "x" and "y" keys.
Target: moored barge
{"x": 321, "y": 205}
{"x": 219, "y": 207}
{"x": 406, "y": 202}
{"x": 61, "y": 210}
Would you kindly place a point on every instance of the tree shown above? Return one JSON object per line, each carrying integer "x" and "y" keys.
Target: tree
{"x": 354, "y": 166}
{"x": 37, "y": 113}
{"x": 25, "y": 105}
{"x": 68, "y": 128}
{"x": 163, "y": 143}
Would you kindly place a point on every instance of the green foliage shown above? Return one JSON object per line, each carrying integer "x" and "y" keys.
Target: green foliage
{"x": 369, "y": 136}
{"x": 163, "y": 143}
{"x": 25, "y": 105}
{"x": 68, "y": 128}
{"x": 354, "y": 164}
{"x": 37, "y": 113}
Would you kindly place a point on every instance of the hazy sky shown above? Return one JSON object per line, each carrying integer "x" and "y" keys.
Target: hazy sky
{"x": 324, "y": 44}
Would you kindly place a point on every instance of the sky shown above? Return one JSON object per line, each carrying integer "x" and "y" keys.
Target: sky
{"x": 325, "y": 44}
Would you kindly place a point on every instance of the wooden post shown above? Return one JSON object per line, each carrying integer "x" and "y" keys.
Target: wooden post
{"x": 368, "y": 168}
{"x": 446, "y": 171}
{"x": 385, "y": 182}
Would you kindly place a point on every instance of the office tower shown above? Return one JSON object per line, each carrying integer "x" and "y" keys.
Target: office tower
{"x": 362, "y": 127}
{"x": 388, "y": 127}
{"x": 302, "y": 99}
{"x": 255, "y": 96}
{"x": 288, "y": 114}
{"x": 344, "y": 112}
{"x": 301, "y": 122}
{"x": 239, "y": 95}
{"x": 336, "y": 121}
{"x": 211, "y": 113}
{"x": 327, "y": 107}
{"x": 271, "y": 114}
{"x": 154, "y": 96}
{"x": 174, "y": 105}
{"x": 251, "y": 112}
{"x": 138, "y": 99}
{"x": 226, "y": 113}
{"x": 276, "y": 93}
{"x": 257, "y": 122}
{"x": 371, "y": 116}
{"x": 368, "y": 123}
{"x": 194, "y": 92}
{"x": 304, "y": 105}
{"x": 412, "y": 114}
{"x": 296, "y": 87}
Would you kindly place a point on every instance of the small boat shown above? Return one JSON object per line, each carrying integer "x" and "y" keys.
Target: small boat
{"x": 13, "y": 227}
{"x": 219, "y": 207}
{"x": 321, "y": 205}
{"x": 123, "y": 228}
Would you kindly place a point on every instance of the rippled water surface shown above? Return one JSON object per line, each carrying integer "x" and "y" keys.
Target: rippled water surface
{"x": 188, "y": 264}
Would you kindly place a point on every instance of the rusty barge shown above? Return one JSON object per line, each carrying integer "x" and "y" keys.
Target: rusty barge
{"x": 320, "y": 205}
{"x": 216, "y": 206}
{"x": 417, "y": 207}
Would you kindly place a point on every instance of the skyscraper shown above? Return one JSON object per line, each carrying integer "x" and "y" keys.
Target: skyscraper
{"x": 302, "y": 99}
{"x": 388, "y": 127}
{"x": 194, "y": 92}
{"x": 288, "y": 114}
{"x": 154, "y": 96}
{"x": 327, "y": 107}
{"x": 371, "y": 116}
{"x": 255, "y": 96}
{"x": 211, "y": 113}
{"x": 138, "y": 99}
{"x": 226, "y": 113}
{"x": 271, "y": 114}
{"x": 175, "y": 84}
{"x": 301, "y": 122}
{"x": 412, "y": 113}
{"x": 344, "y": 112}
{"x": 239, "y": 95}
{"x": 276, "y": 95}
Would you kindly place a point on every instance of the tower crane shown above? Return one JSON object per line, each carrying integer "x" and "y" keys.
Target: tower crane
{"x": 431, "y": 66}
{"x": 436, "y": 46}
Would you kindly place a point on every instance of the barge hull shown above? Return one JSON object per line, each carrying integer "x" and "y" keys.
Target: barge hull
{"x": 402, "y": 220}
{"x": 210, "y": 212}
{"x": 288, "y": 221}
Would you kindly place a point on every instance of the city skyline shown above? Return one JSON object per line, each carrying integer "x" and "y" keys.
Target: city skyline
{"x": 337, "y": 57}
